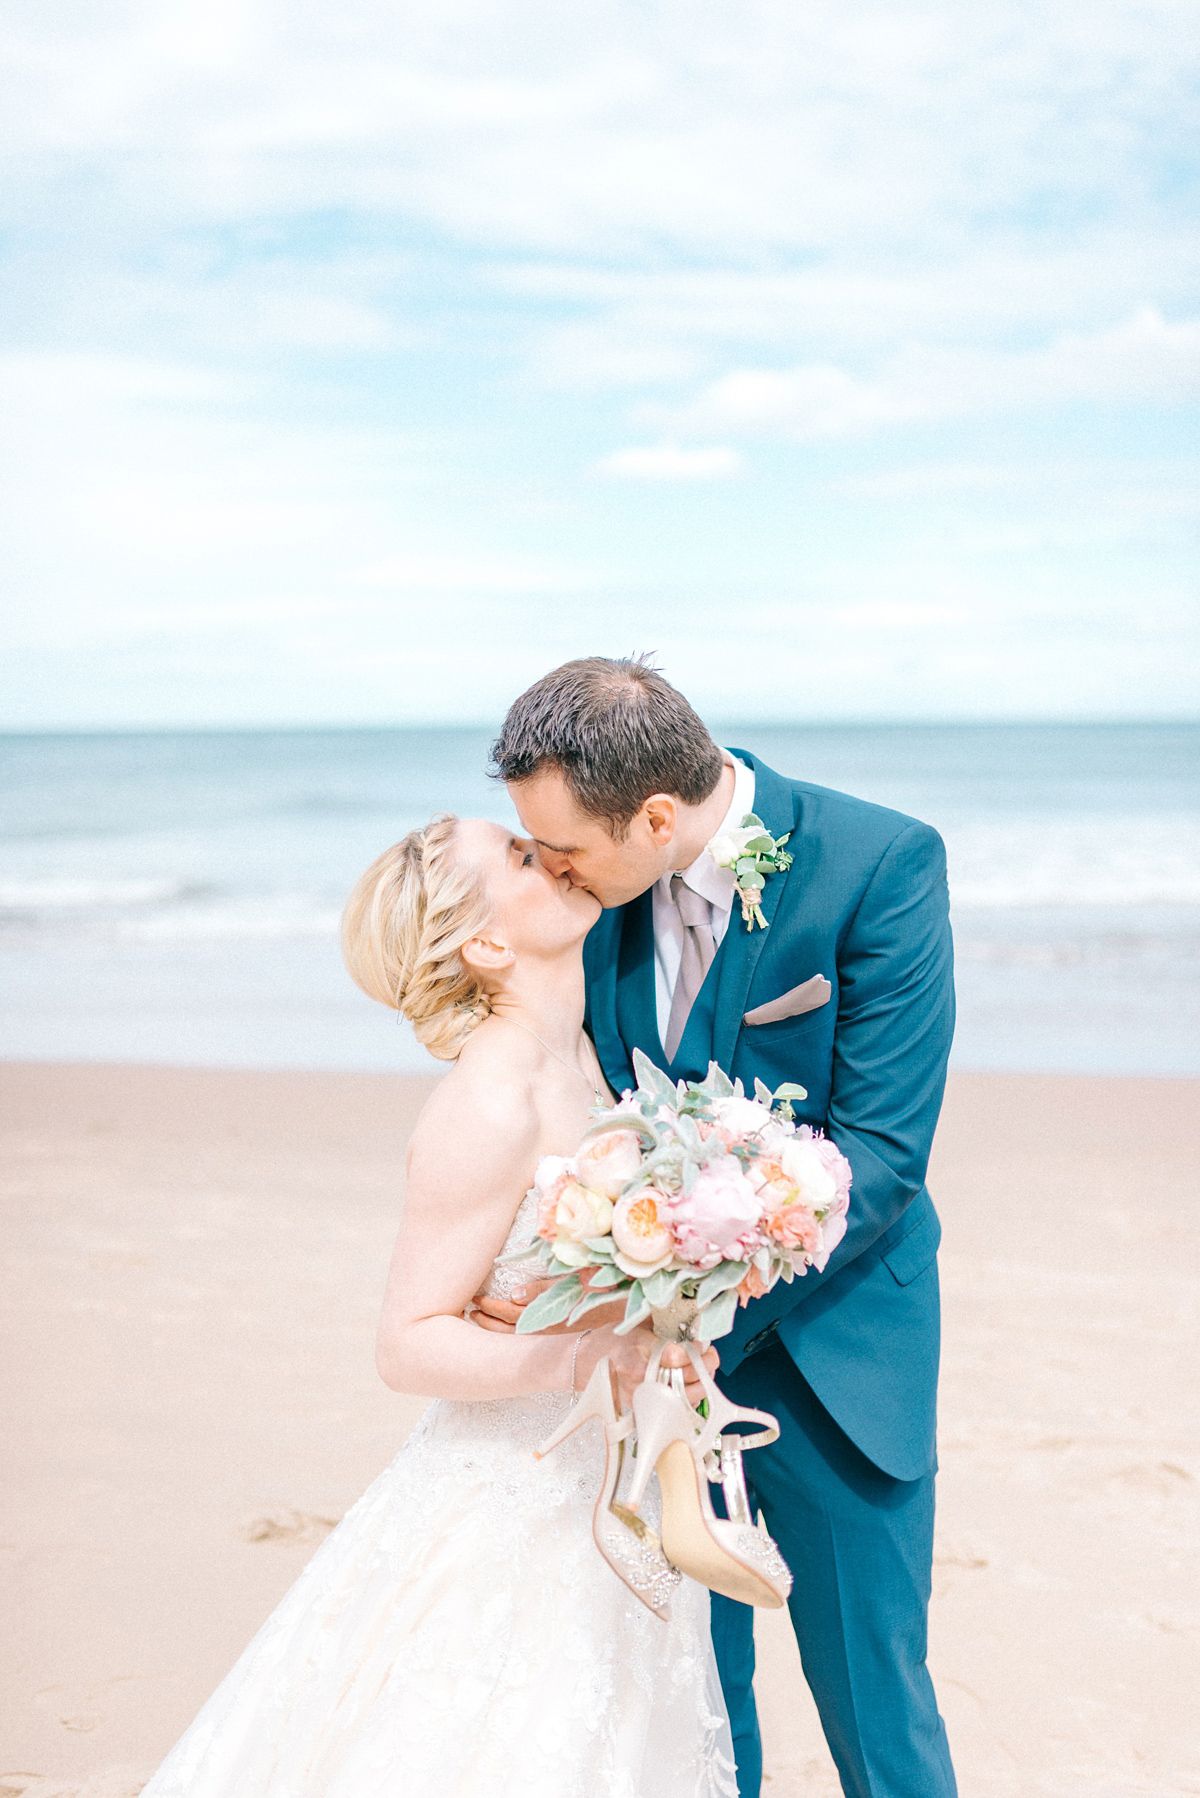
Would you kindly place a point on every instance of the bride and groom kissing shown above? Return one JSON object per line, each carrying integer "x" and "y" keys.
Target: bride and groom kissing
{"x": 458, "y": 1633}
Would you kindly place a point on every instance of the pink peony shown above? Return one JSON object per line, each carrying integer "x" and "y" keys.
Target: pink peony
{"x": 609, "y": 1162}
{"x": 718, "y": 1219}
{"x": 641, "y": 1233}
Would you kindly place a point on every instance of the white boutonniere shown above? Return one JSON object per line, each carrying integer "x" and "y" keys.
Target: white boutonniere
{"x": 751, "y": 853}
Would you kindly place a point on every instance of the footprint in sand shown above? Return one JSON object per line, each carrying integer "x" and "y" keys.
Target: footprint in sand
{"x": 287, "y": 1526}
{"x": 115, "y": 1782}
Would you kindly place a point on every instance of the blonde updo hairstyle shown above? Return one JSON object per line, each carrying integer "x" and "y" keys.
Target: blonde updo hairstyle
{"x": 403, "y": 932}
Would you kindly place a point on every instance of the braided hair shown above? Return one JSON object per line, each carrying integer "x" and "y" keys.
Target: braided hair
{"x": 403, "y": 931}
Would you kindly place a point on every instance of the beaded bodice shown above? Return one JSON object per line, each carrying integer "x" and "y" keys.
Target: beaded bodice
{"x": 507, "y": 1275}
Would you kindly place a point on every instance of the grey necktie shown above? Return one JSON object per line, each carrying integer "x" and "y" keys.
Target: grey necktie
{"x": 699, "y": 947}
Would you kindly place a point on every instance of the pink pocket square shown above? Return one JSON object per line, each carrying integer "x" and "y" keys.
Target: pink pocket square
{"x": 806, "y": 997}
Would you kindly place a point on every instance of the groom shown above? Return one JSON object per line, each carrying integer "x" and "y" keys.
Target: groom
{"x": 848, "y": 992}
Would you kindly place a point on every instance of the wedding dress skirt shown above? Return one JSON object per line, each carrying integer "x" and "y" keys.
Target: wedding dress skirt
{"x": 459, "y": 1636}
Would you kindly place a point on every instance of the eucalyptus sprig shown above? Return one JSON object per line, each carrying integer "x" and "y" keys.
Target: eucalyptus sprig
{"x": 751, "y": 853}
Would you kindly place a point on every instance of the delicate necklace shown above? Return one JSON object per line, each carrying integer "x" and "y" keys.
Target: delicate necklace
{"x": 557, "y": 1057}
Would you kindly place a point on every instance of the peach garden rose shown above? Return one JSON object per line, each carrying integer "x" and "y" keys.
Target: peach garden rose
{"x": 641, "y": 1232}
{"x": 609, "y": 1162}
{"x": 579, "y": 1215}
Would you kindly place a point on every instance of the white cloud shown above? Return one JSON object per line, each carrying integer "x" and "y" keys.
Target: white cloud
{"x": 668, "y": 462}
{"x": 1144, "y": 360}
{"x": 732, "y": 133}
{"x": 322, "y": 320}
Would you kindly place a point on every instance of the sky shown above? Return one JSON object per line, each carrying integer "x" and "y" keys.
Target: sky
{"x": 360, "y": 362}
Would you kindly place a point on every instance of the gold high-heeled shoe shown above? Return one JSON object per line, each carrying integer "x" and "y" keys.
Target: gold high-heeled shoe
{"x": 730, "y": 1554}
{"x": 629, "y": 1545}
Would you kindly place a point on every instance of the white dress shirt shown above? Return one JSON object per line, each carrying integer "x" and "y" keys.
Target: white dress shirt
{"x": 716, "y": 885}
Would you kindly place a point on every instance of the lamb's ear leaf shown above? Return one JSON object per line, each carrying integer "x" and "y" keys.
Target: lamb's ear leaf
{"x": 628, "y": 1120}
{"x": 637, "y": 1309}
{"x": 557, "y": 1270}
{"x": 636, "y": 1298}
{"x": 689, "y": 1135}
{"x": 660, "y": 1288}
{"x": 763, "y": 1093}
{"x": 591, "y": 1298}
{"x": 718, "y": 1081}
{"x": 605, "y": 1278}
{"x": 601, "y": 1250}
{"x": 651, "y": 1079}
{"x": 717, "y": 1319}
{"x": 525, "y": 1250}
{"x": 552, "y": 1306}
{"x": 719, "y": 1279}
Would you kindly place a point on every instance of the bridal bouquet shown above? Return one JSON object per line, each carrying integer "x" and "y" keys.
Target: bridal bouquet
{"x": 686, "y": 1199}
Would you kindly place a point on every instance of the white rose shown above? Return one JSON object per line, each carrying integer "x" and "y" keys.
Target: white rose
{"x": 741, "y": 1117}
{"x": 548, "y": 1170}
{"x": 806, "y": 1171}
{"x": 773, "y": 1135}
{"x": 729, "y": 845}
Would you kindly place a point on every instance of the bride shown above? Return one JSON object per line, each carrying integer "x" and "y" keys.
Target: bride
{"x": 458, "y": 1634}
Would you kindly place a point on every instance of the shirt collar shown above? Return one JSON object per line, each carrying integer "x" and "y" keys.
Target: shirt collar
{"x": 715, "y": 884}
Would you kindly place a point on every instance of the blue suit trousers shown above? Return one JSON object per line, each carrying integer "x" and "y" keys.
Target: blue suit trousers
{"x": 860, "y": 1546}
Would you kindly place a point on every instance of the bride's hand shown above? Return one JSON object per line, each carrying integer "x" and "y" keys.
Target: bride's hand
{"x": 630, "y": 1356}
{"x": 501, "y": 1315}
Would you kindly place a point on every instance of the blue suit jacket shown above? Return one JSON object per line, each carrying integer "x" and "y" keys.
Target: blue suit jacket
{"x": 865, "y": 904}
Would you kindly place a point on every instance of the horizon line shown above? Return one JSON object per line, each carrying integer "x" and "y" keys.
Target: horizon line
{"x": 332, "y": 728}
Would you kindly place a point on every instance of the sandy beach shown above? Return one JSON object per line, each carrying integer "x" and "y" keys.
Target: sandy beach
{"x": 193, "y": 1263}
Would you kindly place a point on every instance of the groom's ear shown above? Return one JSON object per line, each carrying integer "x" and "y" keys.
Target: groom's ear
{"x": 659, "y": 817}
{"x": 486, "y": 954}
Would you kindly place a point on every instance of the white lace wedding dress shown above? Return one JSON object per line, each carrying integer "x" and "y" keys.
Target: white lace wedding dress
{"x": 459, "y": 1636}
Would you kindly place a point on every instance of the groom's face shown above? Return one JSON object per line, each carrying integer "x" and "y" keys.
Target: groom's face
{"x": 571, "y": 842}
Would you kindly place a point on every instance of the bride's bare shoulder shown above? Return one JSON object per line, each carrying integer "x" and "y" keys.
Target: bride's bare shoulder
{"x": 485, "y": 1105}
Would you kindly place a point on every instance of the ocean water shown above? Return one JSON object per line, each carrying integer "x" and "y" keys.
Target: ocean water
{"x": 174, "y": 897}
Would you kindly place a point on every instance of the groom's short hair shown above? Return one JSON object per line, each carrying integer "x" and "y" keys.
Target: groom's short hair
{"x": 616, "y": 731}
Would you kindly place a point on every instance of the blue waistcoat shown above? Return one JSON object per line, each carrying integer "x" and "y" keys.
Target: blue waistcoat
{"x": 865, "y": 904}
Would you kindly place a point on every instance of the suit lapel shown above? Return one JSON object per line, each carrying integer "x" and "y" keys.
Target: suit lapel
{"x": 775, "y": 804}
{"x": 637, "y": 1011}
{"x": 600, "y": 954}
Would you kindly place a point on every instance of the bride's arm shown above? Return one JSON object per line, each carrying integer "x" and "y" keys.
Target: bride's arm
{"x": 468, "y": 1166}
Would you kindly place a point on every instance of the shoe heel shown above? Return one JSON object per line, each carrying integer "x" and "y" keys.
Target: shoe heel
{"x": 656, "y": 1417}
{"x": 598, "y": 1399}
